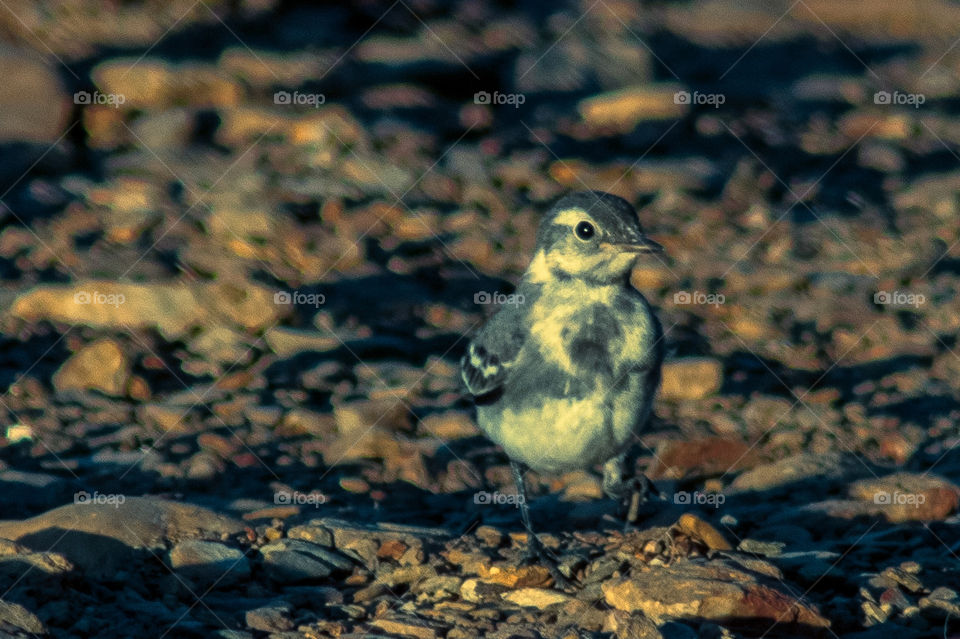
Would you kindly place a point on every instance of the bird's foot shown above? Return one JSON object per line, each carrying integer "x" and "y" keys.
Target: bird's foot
{"x": 537, "y": 554}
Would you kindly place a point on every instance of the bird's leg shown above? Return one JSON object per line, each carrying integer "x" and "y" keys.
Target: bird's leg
{"x": 535, "y": 551}
{"x": 630, "y": 492}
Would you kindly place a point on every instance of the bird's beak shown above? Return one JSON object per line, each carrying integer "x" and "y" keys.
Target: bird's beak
{"x": 644, "y": 245}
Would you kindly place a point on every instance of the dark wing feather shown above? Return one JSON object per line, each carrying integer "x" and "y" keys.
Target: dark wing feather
{"x": 485, "y": 366}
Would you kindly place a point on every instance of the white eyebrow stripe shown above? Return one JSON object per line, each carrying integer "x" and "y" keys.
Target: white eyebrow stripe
{"x": 572, "y": 217}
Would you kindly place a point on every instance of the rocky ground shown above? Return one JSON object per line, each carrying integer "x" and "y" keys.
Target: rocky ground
{"x": 242, "y": 244}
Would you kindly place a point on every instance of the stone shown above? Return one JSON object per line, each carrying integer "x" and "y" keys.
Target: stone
{"x": 21, "y": 490}
{"x": 536, "y": 597}
{"x": 287, "y": 342}
{"x": 171, "y": 308}
{"x": 903, "y": 497}
{"x": 50, "y": 563}
{"x": 797, "y": 468}
{"x": 102, "y": 535}
{"x": 449, "y": 425}
{"x": 698, "y": 458}
{"x": 32, "y": 98}
{"x": 622, "y": 110}
{"x": 298, "y": 561}
{"x": 691, "y": 378}
{"x": 271, "y": 618}
{"x": 624, "y": 624}
{"x": 714, "y": 591}
{"x": 697, "y": 528}
{"x": 19, "y": 617}
{"x": 101, "y": 365}
{"x": 209, "y": 563}
{"x": 157, "y": 84}
{"x": 407, "y": 627}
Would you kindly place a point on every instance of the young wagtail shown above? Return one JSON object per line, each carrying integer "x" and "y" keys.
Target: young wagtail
{"x": 563, "y": 378}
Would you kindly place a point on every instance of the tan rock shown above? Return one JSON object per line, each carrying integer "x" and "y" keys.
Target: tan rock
{"x": 535, "y": 597}
{"x": 407, "y": 627}
{"x": 286, "y": 342}
{"x": 515, "y": 576}
{"x": 697, "y": 528}
{"x": 650, "y": 277}
{"x": 624, "y": 109}
{"x": 153, "y": 83}
{"x": 715, "y": 591}
{"x": 15, "y": 615}
{"x": 449, "y": 425}
{"x": 691, "y": 378}
{"x": 700, "y": 458}
{"x": 34, "y": 105}
{"x": 909, "y": 496}
{"x": 172, "y": 308}
{"x": 101, "y": 365}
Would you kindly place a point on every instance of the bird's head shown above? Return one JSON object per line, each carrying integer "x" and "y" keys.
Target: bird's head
{"x": 589, "y": 235}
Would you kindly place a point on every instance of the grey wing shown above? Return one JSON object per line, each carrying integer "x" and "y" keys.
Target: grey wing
{"x": 490, "y": 355}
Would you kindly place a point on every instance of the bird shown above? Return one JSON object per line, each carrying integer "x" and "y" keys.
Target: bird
{"x": 563, "y": 377}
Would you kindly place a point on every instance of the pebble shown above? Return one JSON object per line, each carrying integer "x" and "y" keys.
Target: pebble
{"x": 101, "y": 365}
{"x": 408, "y": 627}
{"x": 699, "y": 529}
{"x": 35, "y": 106}
{"x": 19, "y": 617}
{"x": 905, "y": 497}
{"x": 691, "y": 378}
{"x": 272, "y": 618}
{"x": 535, "y": 597}
{"x": 209, "y": 563}
{"x": 297, "y": 561}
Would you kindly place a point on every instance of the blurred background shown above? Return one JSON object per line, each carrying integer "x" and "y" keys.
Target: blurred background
{"x": 243, "y": 244}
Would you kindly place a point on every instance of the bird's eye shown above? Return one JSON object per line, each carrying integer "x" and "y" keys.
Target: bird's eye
{"x": 585, "y": 230}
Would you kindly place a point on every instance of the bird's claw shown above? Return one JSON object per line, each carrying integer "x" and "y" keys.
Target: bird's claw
{"x": 536, "y": 554}
{"x": 640, "y": 491}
